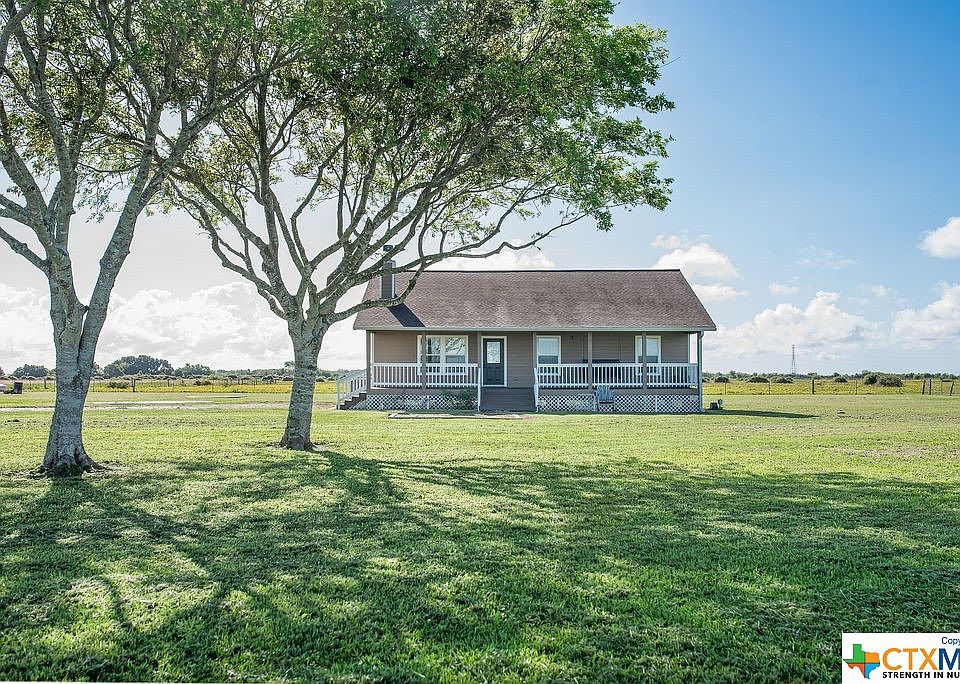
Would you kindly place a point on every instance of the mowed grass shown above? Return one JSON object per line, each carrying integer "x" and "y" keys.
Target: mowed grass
{"x": 720, "y": 546}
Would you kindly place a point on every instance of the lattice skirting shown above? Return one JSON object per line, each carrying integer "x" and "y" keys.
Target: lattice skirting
{"x": 624, "y": 403}
{"x": 566, "y": 403}
{"x": 413, "y": 402}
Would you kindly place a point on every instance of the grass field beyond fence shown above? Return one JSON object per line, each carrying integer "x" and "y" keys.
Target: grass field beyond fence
{"x": 853, "y": 386}
{"x": 725, "y": 546}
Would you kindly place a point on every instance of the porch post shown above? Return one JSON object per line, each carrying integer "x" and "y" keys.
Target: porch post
{"x": 643, "y": 358}
{"x": 590, "y": 359}
{"x": 369, "y": 358}
{"x": 700, "y": 368}
{"x": 423, "y": 360}
{"x": 479, "y": 371}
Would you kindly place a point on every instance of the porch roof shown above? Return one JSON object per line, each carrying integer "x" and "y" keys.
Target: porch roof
{"x": 541, "y": 301}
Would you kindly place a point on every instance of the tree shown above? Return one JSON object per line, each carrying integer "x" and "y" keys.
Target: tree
{"x": 98, "y": 100}
{"x": 137, "y": 365}
{"x": 30, "y": 370}
{"x": 189, "y": 370}
{"x": 427, "y": 127}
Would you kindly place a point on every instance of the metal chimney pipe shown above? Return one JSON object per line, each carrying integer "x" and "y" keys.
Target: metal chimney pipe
{"x": 388, "y": 280}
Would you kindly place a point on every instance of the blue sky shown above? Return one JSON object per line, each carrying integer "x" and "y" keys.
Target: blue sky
{"x": 816, "y": 145}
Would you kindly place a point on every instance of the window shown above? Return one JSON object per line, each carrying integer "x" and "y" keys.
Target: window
{"x": 653, "y": 349}
{"x": 444, "y": 349}
{"x": 548, "y": 349}
{"x": 455, "y": 349}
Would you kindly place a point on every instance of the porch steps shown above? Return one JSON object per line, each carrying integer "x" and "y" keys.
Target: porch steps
{"x": 494, "y": 399}
{"x": 350, "y": 402}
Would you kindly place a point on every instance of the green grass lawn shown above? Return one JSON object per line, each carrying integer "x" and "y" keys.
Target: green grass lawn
{"x": 576, "y": 548}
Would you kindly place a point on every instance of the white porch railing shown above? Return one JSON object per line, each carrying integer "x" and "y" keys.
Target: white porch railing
{"x": 616, "y": 374}
{"x": 562, "y": 375}
{"x": 672, "y": 375}
{"x": 438, "y": 374}
{"x": 350, "y": 385}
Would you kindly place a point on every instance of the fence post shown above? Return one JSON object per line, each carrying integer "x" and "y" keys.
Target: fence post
{"x": 813, "y": 385}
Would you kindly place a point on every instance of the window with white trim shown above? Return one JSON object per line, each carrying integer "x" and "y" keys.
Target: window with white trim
{"x": 548, "y": 349}
{"x": 653, "y": 349}
{"x": 443, "y": 349}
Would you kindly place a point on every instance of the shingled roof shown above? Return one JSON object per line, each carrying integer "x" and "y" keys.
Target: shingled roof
{"x": 541, "y": 301}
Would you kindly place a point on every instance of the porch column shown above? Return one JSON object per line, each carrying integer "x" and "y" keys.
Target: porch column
{"x": 700, "y": 368}
{"x": 423, "y": 360}
{"x": 643, "y": 358}
{"x": 590, "y": 359}
{"x": 536, "y": 361}
{"x": 369, "y": 358}
{"x": 479, "y": 366}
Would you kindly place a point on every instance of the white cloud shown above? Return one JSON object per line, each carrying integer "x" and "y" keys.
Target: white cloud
{"x": 225, "y": 326}
{"x": 25, "y": 331}
{"x": 507, "y": 260}
{"x": 879, "y": 292}
{"x": 670, "y": 241}
{"x": 933, "y": 324}
{"x": 715, "y": 292}
{"x": 699, "y": 259}
{"x": 817, "y": 257}
{"x": 821, "y": 328}
{"x": 781, "y": 289}
{"x": 944, "y": 242}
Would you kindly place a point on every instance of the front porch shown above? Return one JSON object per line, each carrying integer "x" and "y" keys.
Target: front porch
{"x": 553, "y": 387}
{"x": 525, "y": 371}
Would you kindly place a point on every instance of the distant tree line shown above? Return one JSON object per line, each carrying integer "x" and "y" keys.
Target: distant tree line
{"x": 148, "y": 366}
{"x": 866, "y": 377}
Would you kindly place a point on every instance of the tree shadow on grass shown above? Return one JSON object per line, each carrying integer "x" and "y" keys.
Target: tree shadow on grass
{"x": 327, "y": 566}
{"x": 761, "y": 414}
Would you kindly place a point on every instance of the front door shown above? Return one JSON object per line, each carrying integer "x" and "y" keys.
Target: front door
{"x": 493, "y": 348}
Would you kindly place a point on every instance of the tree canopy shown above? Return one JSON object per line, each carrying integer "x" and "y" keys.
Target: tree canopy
{"x": 137, "y": 365}
{"x": 31, "y": 370}
{"x": 430, "y": 128}
{"x": 99, "y": 99}
{"x": 188, "y": 370}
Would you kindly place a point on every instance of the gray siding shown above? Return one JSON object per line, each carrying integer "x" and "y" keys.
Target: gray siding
{"x": 400, "y": 346}
{"x": 519, "y": 359}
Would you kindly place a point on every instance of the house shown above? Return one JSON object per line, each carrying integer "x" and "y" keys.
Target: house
{"x": 580, "y": 340}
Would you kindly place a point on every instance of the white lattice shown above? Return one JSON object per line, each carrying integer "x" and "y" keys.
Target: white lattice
{"x": 564, "y": 403}
{"x": 622, "y": 403}
{"x": 656, "y": 403}
{"x": 412, "y": 402}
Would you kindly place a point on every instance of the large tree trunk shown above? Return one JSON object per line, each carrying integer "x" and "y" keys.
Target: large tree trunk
{"x": 296, "y": 436}
{"x": 66, "y": 455}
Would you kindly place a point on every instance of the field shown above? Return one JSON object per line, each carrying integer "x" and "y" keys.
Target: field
{"x": 853, "y": 387}
{"x": 732, "y": 546}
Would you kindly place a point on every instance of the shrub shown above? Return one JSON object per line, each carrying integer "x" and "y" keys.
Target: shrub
{"x": 839, "y": 378}
{"x": 870, "y": 379}
{"x": 118, "y": 384}
{"x": 464, "y": 400}
{"x": 202, "y": 383}
{"x": 890, "y": 381}
{"x": 784, "y": 380}
{"x": 758, "y": 378}
{"x": 722, "y": 379}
